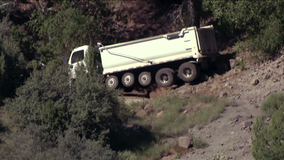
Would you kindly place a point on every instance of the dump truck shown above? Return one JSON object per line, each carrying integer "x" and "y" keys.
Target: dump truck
{"x": 162, "y": 58}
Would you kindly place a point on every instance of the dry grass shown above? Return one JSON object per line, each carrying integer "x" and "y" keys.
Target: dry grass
{"x": 172, "y": 116}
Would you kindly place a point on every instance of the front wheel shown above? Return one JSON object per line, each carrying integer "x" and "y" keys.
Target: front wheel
{"x": 165, "y": 77}
{"x": 112, "y": 82}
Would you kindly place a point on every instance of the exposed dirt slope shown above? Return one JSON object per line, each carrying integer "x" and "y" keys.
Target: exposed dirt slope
{"x": 231, "y": 135}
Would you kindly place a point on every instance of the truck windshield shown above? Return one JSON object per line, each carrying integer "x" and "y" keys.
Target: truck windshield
{"x": 77, "y": 56}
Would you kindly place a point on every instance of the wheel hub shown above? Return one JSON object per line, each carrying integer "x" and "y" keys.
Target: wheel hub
{"x": 187, "y": 72}
{"x": 111, "y": 81}
{"x": 127, "y": 79}
{"x": 164, "y": 78}
{"x": 144, "y": 78}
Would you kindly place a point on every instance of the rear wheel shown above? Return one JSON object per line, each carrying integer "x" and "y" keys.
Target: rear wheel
{"x": 112, "y": 82}
{"x": 165, "y": 77}
{"x": 145, "y": 78}
{"x": 187, "y": 72}
{"x": 128, "y": 79}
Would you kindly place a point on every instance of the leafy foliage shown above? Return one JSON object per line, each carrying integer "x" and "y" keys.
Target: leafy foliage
{"x": 47, "y": 100}
{"x": 269, "y": 139}
{"x": 261, "y": 23}
{"x": 12, "y": 68}
{"x": 73, "y": 28}
{"x": 27, "y": 145}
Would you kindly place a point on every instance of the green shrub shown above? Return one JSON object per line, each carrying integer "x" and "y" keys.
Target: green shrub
{"x": 199, "y": 143}
{"x": 273, "y": 103}
{"x": 26, "y": 144}
{"x": 47, "y": 100}
{"x": 269, "y": 139}
{"x": 260, "y": 25}
{"x": 73, "y": 29}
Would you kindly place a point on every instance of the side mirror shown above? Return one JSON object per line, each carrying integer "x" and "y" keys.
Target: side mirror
{"x": 99, "y": 44}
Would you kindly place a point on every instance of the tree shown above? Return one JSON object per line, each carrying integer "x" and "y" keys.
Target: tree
{"x": 12, "y": 63}
{"x": 260, "y": 23}
{"x": 73, "y": 29}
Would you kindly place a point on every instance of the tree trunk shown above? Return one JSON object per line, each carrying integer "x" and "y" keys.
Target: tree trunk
{"x": 192, "y": 9}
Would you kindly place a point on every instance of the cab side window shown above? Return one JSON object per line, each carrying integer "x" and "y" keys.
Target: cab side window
{"x": 77, "y": 56}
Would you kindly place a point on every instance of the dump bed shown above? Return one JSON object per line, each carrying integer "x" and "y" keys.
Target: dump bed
{"x": 188, "y": 43}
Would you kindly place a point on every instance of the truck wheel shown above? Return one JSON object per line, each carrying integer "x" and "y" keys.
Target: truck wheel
{"x": 187, "y": 72}
{"x": 145, "y": 78}
{"x": 165, "y": 77}
{"x": 112, "y": 82}
{"x": 128, "y": 79}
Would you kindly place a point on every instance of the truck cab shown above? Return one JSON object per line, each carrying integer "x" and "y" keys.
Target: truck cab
{"x": 77, "y": 58}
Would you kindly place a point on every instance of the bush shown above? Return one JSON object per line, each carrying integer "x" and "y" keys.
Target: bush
{"x": 12, "y": 70}
{"x": 199, "y": 143}
{"x": 26, "y": 144}
{"x": 269, "y": 139}
{"x": 260, "y": 24}
{"x": 273, "y": 103}
{"x": 47, "y": 100}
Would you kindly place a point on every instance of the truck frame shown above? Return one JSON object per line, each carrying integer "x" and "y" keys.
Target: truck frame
{"x": 165, "y": 57}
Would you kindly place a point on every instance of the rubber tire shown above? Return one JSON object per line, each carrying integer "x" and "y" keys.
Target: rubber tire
{"x": 170, "y": 75}
{"x": 148, "y": 80}
{"x": 125, "y": 76}
{"x": 192, "y": 67}
{"x": 114, "y": 80}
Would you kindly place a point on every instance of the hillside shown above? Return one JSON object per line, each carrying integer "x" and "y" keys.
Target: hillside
{"x": 230, "y": 136}
{"x": 45, "y": 114}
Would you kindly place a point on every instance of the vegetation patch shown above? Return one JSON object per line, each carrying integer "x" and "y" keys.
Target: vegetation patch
{"x": 268, "y": 130}
{"x": 199, "y": 143}
{"x": 171, "y": 116}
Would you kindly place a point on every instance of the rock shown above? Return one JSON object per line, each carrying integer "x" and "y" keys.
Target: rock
{"x": 185, "y": 111}
{"x": 280, "y": 71}
{"x": 246, "y": 150}
{"x": 184, "y": 141}
{"x": 233, "y": 63}
{"x": 237, "y": 118}
{"x": 229, "y": 85}
{"x": 160, "y": 113}
{"x": 170, "y": 157}
{"x": 266, "y": 77}
{"x": 268, "y": 119}
{"x": 141, "y": 113}
{"x": 249, "y": 141}
{"x": 208, "y": 136}
{"x": 246, "y": 124}
{"x": 223, "y": 94}
{"x": 169, "y": 141}
{"x": 148, "y": 108}
{"x": 190, "y": 131}
{"x": 267, "y": 93}
{"x": 254, "y": 81}
{"x": 248, "y": 129}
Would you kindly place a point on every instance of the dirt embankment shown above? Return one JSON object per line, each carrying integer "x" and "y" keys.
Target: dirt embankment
{"x": 230, "y": 136}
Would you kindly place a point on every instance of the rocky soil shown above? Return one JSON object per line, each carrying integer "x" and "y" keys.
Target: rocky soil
{"x": 230, "y": 136}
